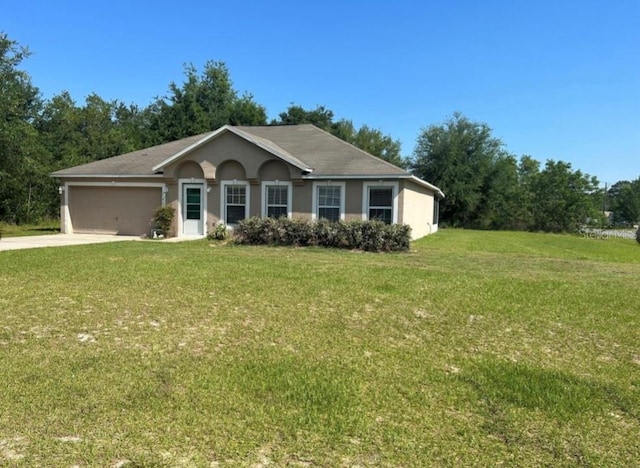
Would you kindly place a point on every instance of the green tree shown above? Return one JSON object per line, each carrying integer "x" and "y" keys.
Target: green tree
{"x": 562, "y": 199}
{"x": 627, "y": 203}
{"x": 458, "y": 156}
{"x": 504, "y": 204}
{"x": 58, "y": 125}
{"x": 100, "y": 129}
{"x": 383, "y": 146}
{"x": 321, "y": 117}
{"x": 204, "y": 102}
{"x": 244, "y": 111}
{"x": 24, "y": 186}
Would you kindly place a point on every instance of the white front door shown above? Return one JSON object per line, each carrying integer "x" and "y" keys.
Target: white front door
{"x": 193, "y": 209}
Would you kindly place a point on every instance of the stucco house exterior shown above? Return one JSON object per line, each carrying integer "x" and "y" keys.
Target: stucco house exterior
{"x": 238, "y": 172}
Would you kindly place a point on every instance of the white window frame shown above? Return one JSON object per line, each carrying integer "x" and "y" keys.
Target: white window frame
{"x": 395, "y": 188}
{"x": 314, "y": 197}
{"x": 276, "y": 183}
{"x": 223, "y": 198}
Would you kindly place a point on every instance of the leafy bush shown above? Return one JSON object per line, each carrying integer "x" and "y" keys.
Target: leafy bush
{"x": 638, "y": 235}
{"x": 372, "y": 236}
{"x": 163, "y": 219}
{"x": 219, "y": 232}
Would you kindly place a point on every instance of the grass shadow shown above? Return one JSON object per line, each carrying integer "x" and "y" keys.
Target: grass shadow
{"x": 505, "y": 384}
{"x": 525, "y": 386}
{"x": 506, "y": 389}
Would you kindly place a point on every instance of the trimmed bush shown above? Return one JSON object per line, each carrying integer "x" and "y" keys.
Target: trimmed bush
{"x": 371, "y": 236}
{"x": 638, "y": 235}
{"x": 163, "y": 218}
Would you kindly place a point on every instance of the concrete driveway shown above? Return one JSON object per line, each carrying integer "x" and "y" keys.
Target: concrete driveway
{"x": 59, "y": 240}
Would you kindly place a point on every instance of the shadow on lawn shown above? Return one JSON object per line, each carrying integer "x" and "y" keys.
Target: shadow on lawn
{"x": 502, "y": 383}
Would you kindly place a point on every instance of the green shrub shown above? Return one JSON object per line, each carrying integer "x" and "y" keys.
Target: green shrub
{"x": 638, "y": 235}
{"x": 163, "y": 219}
{"x": 219, "y": 232}
{"x": 371, "y": 236}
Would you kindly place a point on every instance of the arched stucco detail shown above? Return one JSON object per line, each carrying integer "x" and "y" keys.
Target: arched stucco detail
{"x": 189, "y": 169}
{"x": 274, "y": 170}
{"x": 208, "y": 169}
{"x": 230, "y": 170}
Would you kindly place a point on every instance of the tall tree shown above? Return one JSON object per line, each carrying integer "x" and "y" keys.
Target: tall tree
{"x": 626, "y": 202}
{"x": 504, "y": 202}
{"x": 24, "y": 185}
{"x": 59, "y": 127}
{"x": 321, "y": 117}
{"x": 528, "y": 170}
{"x": 375, "y": 142}
{"x": 245, "y": 111}
{"x": 458, "y": 156}
{"x": 99, "y": 129}
{"x": 204, "y": 102}
{"x": 562, "y": 198}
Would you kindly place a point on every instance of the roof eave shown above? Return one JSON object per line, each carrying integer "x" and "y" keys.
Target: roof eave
{"x": 355, "y": 176}
{"x": 105, "y": 176}
{"x": 426, "y": 184}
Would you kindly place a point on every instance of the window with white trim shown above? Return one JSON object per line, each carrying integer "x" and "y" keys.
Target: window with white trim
{"x": 328, "y": 200}
{"x": 235, "y": 201}
{"x": 380, "y": 201}
{"x": 381, "y": 204}
{"x": 277, "y": 197}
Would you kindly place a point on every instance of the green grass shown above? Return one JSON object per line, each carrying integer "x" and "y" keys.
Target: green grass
{"x": 476, "y": 348}
{"x": 43, "y": 228}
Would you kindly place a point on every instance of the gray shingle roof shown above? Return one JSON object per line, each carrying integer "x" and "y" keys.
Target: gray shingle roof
{"x": 305, "y": 146}
{"x": 135, "y": 163}
{"x": 325, "y": 153}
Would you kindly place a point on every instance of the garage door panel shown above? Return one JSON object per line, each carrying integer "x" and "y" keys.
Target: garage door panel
{"x": 113, "y": 210}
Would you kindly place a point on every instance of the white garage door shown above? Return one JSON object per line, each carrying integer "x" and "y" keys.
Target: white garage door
{"x": 113, "y": 210}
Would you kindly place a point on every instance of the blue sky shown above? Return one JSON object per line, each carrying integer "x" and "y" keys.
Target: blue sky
{"x": 553, "y": 79}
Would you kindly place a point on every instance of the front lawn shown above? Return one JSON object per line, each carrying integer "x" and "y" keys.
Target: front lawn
{"x": 476, "y": 348}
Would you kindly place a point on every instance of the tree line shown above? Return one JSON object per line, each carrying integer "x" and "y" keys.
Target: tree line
{"x": 485, "y": 186}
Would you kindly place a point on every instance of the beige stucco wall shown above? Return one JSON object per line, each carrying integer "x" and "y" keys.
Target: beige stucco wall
{"x": 415, "y": 207}
{"x": 353, "y": 202}
{"x": 301, "y": 202}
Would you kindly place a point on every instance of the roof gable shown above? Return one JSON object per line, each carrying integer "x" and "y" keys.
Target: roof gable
{"x": 266, "y": 145}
